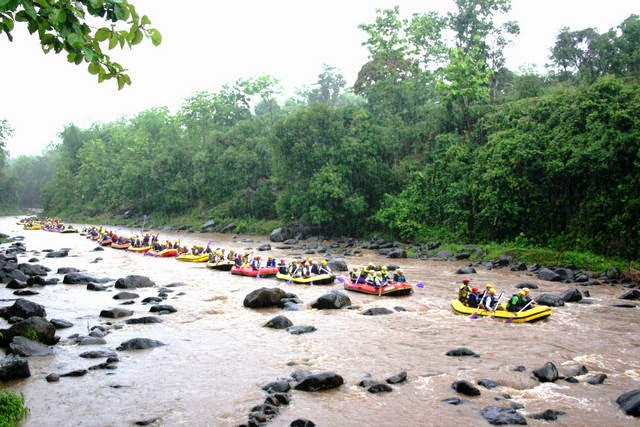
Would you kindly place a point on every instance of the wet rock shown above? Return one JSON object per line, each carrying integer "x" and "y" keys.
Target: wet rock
{"x": 33, "y": 269}
{"x": 550, "y": 300}
{"x": 376, "y": 311}
{"x": 397, "y": 378}
{"x": 379, "y": 388}
{"x": 613, "y": 273}
{"x": 36, "y": 281}
{"x": 146, "y": 422}
{"x": 134, "y": 281}
{"x": 630, "y": 295}
{"x": 302, "y": 422}
{"x": 139, "y": 344}
{"x": 566, "y": 274}
{"x": 25, "y": 347}
{"x": 571, "y": 380}
{"x": 575, "y": 370}
{"x": 23, "y": 308}
{"x": 76, "y": 373}
{"x": 25, "y": 293}
{"x": 14, "y": 319}
{"x": 126, "y": 295}
{"x": 466, "y": 270}
{"x": 280, "y": 386}
{"x": 548, "y": 373}
{"x": 399, "y": 309}
{"x": 151, "y": 300}
{"x": 80, "y": 278}
{"x": 115, "y": 313}
{"x": 466, "y": 388}
{"x": 58, "y": 254}
{"x": 334, "y": 299}
{"x": 264, "y": 297}
{"x": 145, "y": 320}
{"x": 452, "y": 400}
{"x": 33, "y": 327}
{"x": 519, "y": 266}
{"x": 92, "y": 341}
{"x": 163, "y": 309}
{"x": 265, "y": 247}
{"x": 16, "y": 284}
{"x": 105, "y": 365}
{"x": 96, "y": 287}
{"x": 572, "y": 295}
{"x": 548, "y": 275}
{"x": 299, "y": 330}
{"x": 444, "y": 254}
{"x": 228, "y": 228}
{"x": 279, "y": 322}
{"x": 461, "y": 351}
{"x": 624, "y": 305}
{"x": 527, "y": 285}
{"x": 397, "y": 253}
{"x": 519, "y": 368}
{"x": 580, "y": 277}
{"x": 14, "y": 368}
{"x": 597, "y": 379}
{"x": 629, "y": 402}
{"x": 548, "y": 415}
{"x": 67, "y": 270}
{"x": 208, "y": 225}
{"x": 338, "y": 264}
{"x": 502, "y": 416}
{"x": 52, "y": 378}
{"x": 320, "y": 381}
{"x": 98, "y": 354}
{"x": 486, "y": 383}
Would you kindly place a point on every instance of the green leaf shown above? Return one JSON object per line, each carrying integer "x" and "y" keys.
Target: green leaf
{"x": 8, "y": 23}
{"x": 121, "y": 82}
{"x": 113, "y": 40}
{"x": 75, "y": 40}
{"x": 101, "y": 75}
{"x": 43, "y": 3}
{"x": 102, "y": 34}
{"x": 156, "y": 37}
{"x": 22, "y": 16}
{"x": 145, "y": 20}
{"x": 137, "y": 38}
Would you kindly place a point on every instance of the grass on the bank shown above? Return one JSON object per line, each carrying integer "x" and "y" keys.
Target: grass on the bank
{"x": 12, "y": 408}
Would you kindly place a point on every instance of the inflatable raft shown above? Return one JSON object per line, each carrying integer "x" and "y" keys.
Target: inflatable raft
{"x": 318, "y": 279}
{"x": 390, "y": 288}
{"x": 139, "y": 249}
{"x": 536, "y": 313}
{"x": 222, "y": 265}
{"x": 263, "y": 272}
{"x": 193, "y": 258}
{"x": 120, "y": 245}
{"x": 165, "y": 253}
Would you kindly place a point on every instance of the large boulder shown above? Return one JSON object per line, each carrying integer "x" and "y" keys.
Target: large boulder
{"x": 14, "y": 368}
{"x": 466, "y": 388}
{"x": 630, "y": 402}
{"x": 502, "y": 416}
{"x": 115, "y": 313}
{"x": 572, "y": 295}
{"x": 139, "y": 344}
{"x": 145, "y": 320}
{"x": 466, "y": 270}
{"x": 37, "y": 328}
{"x": 126, "y": 295}
{"x": 547, "y": 373}
{"x": 279, "y": 322}
{"x": 23, "y": 308}
{"x": 320, "y": 381}
{"x": 264, "y": 297}
{"x": 633, "y": 294}
{"x": 548, "y": 275}
{"x": 338, "y": 264}
{"x": 80, "y": 278}
{"x": 134, "y": 281}
{"x": 22, "y": 346}
{"x": 334, "y": 299}
{"x": 376, "y": 311}
{"x": 550, "y": 300}
{"x": 58, "y": 254}
{"x": 397, "y": 253}
{"x": 33, "y": 269}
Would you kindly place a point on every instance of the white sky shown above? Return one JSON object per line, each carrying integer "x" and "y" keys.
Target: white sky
{"x": 209, "y": 43}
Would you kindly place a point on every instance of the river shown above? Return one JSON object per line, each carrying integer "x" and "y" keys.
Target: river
{"x": 218, "y": 355}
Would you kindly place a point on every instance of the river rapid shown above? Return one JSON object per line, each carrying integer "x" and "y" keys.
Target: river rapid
{"x": 218, "y": 355}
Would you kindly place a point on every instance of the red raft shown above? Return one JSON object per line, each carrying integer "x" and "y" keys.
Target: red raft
{"x": 390, "y": 288}
{"x": 105, "y": 242}
{"x": 263, "y": 272}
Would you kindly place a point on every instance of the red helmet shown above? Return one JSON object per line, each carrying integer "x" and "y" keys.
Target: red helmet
{"x": 465, "y": 280}
{"x": 474, "y": 289}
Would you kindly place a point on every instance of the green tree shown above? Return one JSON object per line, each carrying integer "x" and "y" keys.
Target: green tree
{"x": 64, "y": 25}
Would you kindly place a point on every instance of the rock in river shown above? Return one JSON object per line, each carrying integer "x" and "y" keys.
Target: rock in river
{"x": 334, "y": 299}
{"x": 139, "y": 344}
{"x": 502, "y": 416}
{"x": 134, "y": 281}
{"x": 115, "y": 313}
{"x": 320, "y": 381}
{"x": 548, "y": 373}
{"x": 630, "y": 402}
{"x": 264, "y": 297}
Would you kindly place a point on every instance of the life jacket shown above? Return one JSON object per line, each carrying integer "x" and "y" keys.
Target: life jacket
{"x": 463, "y": 292}
{"x": 473, "y": 299}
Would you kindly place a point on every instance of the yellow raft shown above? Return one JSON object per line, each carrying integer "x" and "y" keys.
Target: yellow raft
{"x": 535, "y": 313}
{"x": 193, "y": 258}
{"x": 318, "y": 279}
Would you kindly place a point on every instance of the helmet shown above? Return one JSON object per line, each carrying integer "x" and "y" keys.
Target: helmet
{"x": 474, "y": 289}
{"x": 488, "y": 286}
{"x": 492, "y": 291}
{"x": 378, "y": 273}
{"x": 383, "y": 268}
{"x": 399, "y": 271}
{"x": 465, "y": 280}
{"x": 324, "y": 262}
{"x": 355, "y": 268}
{"x": 525, "y": 290}
{"x": 282, "y": 260}
{"x": 522, "y": 292}
{"x": 257, "y": 257}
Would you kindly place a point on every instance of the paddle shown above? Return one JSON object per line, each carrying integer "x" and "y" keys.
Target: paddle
{"x": 510, "y": 320}
{"x": 493, "y": 312}
{"x": 420, "y": 285}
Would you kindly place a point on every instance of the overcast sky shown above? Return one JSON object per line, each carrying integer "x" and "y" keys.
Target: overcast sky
{"x": 209, "y": 43}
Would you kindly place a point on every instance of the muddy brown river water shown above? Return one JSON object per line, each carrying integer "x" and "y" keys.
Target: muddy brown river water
{"x": 218, "y": 355}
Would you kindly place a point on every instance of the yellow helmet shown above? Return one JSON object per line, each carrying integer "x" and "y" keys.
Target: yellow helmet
{"x": 324, "y": 262}
{"x": 522, "y": 292}
{"x": 525, "y": 290}
{"x": 492, "y": 291}
{"x": 488, "y": 286}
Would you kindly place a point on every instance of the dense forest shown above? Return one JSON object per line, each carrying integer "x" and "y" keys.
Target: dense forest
{"x": 436, "y": 139}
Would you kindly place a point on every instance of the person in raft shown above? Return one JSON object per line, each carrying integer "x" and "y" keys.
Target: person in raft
{"x": 399, "y": 277}
{"x": 520, "y": 300}
{"x": 325, "y": 269}
{"x": 473, "y": 298}
{"x": 464, "y": 290}
{"x": 489, "y": 301}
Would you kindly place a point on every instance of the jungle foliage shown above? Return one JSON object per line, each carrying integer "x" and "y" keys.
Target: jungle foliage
{"x": 436, "y": 140}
